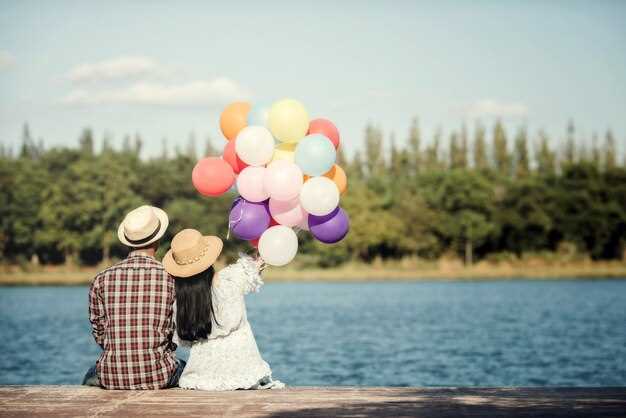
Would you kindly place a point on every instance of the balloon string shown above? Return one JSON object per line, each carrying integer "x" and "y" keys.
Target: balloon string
{"x": 234, "y": 223}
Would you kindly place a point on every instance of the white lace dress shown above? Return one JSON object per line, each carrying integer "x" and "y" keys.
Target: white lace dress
{"x": 229, "y": 358}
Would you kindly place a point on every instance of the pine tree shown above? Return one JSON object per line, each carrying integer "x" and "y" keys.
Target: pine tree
{"x": 191, "y": 150}
{"x": 458, "y": 149}
{"x": 375, "y": 158}
{"x": 546, "y": 159}
{"x": 596, "y": 158}
{"x": 454, "y": 151}
{"x": 356, "y": 168}
{"x": 610, "y": 160}
{"x": 126, "y": 147}
{"x": 137, "y": 145}
{"x": 569, "y": 153}
{"x": 480, "y": 148}
{"x": 342, "y": 161}
{"x": 394, "y": 157}
{"x": 107, "y": 146}
{"x": 463, "y": 148}
{"x": 209, "y": 148}
{"x": 86, "y": 142}
{"x": 414, "y": 147}
{"x": 521, "y": 153}
{"x": 432, "y": 151}
{"x": 501, "y": 156}
{"x": 28, "y": 148}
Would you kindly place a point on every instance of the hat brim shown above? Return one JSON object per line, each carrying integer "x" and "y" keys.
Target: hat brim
{"x": 204, "y": 262}
{"x": 164, "y": 221}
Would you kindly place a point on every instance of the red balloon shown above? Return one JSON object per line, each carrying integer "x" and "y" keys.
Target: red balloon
{"x": 326, "y": 128}
{"x": 212, "y": 176}
{"x": 254, "y": 242}
{"x": 230, "y": 156}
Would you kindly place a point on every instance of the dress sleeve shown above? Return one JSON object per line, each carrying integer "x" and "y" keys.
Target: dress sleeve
{"x": 233, "y": 282}
{"x": 247, "y": 274}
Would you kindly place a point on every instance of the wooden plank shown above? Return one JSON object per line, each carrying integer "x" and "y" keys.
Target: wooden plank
{"x": 17, "y": 401}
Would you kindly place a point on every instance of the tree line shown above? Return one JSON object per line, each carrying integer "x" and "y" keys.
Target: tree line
{"x": 472, "y": 195}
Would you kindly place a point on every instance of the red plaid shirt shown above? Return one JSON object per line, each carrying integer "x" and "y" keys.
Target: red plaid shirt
{"x": 130, "y": 310}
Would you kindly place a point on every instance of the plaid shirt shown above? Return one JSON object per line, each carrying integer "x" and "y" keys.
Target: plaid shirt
{"x": 130, "y": 310}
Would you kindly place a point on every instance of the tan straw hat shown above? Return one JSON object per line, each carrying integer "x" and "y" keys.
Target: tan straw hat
{"x": 142, "y": 226}
{"x": 191, "y": 253}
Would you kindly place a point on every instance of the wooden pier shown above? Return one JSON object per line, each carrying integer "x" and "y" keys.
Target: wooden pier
{"x": 18, "y": 401}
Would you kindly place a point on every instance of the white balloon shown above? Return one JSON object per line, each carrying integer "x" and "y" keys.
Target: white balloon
{"x": 278, "y": 245}
{"x": 319, "y": 196}
{"x": 255, "y": 145}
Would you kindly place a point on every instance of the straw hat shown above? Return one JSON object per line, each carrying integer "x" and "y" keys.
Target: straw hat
{"x": 191, "y": 253}
{"x": 142, "y": 226}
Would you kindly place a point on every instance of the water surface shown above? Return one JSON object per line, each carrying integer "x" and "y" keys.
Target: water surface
{"x": 508, "y": 333}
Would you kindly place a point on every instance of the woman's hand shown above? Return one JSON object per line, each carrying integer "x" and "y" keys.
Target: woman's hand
{"x": 260, "y": 263}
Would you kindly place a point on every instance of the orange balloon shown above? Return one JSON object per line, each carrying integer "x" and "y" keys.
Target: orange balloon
{"x": 337, "y": 175}
{"x": 234, "y": 118}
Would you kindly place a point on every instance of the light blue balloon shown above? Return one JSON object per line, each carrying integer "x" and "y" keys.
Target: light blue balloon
{"x": 315, "y": 155}
{"x": 258, "y": 114}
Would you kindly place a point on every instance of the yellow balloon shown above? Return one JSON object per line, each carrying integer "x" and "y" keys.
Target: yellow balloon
{"x": 285, "y": 151}
{"x": 288, "y": 120}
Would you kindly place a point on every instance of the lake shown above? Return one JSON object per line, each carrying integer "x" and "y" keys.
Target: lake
{"x": 502, "y": 333}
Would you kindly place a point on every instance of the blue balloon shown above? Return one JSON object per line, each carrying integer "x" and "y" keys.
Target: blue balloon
{"x": 257, "y": 116}
{"x": 315, "y": 155}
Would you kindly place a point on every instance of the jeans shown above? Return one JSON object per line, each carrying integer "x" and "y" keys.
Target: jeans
{"x": 91, "y": 377}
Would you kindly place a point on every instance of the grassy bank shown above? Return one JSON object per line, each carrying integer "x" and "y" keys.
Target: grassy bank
{"x": 409, "y": 270}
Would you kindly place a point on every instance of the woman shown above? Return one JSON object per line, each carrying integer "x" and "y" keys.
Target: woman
{"x": 210, "y": 314}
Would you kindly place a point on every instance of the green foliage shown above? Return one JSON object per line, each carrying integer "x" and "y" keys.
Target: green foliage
{"x": 465, "y": 200}
{"x": 474, "y": 197}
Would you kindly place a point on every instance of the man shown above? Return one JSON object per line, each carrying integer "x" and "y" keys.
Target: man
{"x": 130, "y": 310}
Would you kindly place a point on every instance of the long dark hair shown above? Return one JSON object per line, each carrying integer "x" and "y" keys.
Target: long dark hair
{"x": 194, "y": 307}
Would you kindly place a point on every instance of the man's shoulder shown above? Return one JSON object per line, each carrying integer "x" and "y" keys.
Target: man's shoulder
{"x": 133, "y": 263}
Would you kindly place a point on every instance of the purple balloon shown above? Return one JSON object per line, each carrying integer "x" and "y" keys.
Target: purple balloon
{"x": 248, "y": 220}
{"x": 330, "y": 228}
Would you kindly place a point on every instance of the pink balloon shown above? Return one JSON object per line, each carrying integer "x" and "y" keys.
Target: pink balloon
{"x": 287, "y": 212}
{"x": 250, "y": 184}
{"x": 283, "y": 180}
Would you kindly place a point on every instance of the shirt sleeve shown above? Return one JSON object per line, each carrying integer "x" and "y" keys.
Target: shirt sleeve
{"x": 97, "y": 315}
{"x": 172, "y": 334}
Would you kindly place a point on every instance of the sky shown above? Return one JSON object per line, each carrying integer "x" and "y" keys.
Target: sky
{"x": 167, "y": 69}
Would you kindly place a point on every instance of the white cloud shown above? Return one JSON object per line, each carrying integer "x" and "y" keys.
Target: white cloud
{"x": 193, "y": 93}
{"x": 116, "y": 68}
{"x": 491, "y": 107}
{"x": 6, "y": 60}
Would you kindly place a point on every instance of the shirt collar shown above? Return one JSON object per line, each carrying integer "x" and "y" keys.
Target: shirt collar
{"x": 139, "y": 253}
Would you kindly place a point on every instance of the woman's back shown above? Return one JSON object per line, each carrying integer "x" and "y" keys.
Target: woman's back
{"x": 229, "y": 358}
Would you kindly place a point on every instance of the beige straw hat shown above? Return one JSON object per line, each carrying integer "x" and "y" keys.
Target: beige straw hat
{"x": 142, "y": 226}
{"x": 191, "y": 253}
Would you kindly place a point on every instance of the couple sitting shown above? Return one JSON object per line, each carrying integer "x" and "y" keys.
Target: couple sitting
{"x": 140, "y": 310}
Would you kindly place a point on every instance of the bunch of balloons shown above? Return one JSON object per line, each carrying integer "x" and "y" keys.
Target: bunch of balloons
{"x": 283, "y": 166}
